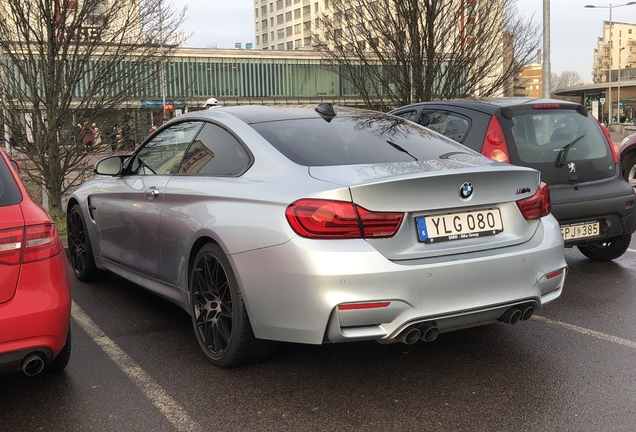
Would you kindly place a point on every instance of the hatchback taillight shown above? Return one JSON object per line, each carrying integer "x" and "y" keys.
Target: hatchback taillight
{"x": 613, "y": 147}
{"x": 494, "y": 146}
{"x": 538, "y": 205}
{"x": 328, "y": 219}
{"x": 33, "y": 243}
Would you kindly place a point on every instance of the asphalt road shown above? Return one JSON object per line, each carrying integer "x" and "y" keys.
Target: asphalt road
{"x": 136, "y": 366}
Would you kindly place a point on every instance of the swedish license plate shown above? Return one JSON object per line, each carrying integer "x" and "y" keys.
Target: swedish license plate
{"x": 458, "y": 226}
{"x": 581, "y": 230}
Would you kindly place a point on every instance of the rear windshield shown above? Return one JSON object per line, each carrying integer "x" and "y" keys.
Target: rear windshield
{"x": 355, "y": 139}
{"x": 540, "y": 135}
{"x": 9, "y": 192}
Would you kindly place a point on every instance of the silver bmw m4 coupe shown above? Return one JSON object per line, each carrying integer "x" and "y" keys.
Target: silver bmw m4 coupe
{"x": 317, "y": 225}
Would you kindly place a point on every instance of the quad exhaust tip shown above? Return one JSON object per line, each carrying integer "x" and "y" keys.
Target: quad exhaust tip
{"x": 514, "y": 314}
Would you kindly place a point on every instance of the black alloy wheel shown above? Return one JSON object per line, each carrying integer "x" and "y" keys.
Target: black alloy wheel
{"x": 607, "y": 250}
{"x": 82, "y": 260}
{"x": 218, "y": 313}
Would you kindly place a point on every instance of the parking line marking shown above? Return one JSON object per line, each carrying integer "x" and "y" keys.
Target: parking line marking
{"x": 631, "y": 250}
{"x": 149, "y": 387}
{"x": 588, "y": 332}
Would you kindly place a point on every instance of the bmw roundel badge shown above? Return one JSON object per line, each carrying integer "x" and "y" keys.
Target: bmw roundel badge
{"x": 466, "y": 191}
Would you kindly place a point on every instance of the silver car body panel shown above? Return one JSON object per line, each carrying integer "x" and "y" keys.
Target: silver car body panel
{"x": 292, "y": 286}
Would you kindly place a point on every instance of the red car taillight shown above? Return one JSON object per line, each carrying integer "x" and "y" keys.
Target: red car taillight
{"x": 613, "y": 147}
{"x": 33, "y": 243}
{"x": 494, "y": 146}
{"x": 538, "y": 205}
{"x": 11, "y": 245}
{"x": 327, "y": 219}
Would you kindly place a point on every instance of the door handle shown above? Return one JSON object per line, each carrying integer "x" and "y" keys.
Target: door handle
{"x": 152, "y": 193}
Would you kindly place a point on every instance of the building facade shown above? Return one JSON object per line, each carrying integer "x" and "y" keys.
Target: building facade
{"x": 615, "y": 52}
{"x": 285, "y": 25}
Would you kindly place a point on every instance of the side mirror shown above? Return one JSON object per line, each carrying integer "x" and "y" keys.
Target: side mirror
{"x": 111, "y": 166}
{"x": 15, "y": 165}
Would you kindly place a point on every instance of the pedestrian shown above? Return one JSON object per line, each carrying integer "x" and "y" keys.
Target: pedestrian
{"x": 128, "y": 136}
{"x": 212, "y": 103}
{"x": 87, "y": 135}
{"x": 114, "y": 138}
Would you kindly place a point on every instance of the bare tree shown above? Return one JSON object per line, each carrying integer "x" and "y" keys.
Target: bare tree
{"x": 565, "y": 79}
{"x": 395, "y": 52}
{"x": 63, "y": 57}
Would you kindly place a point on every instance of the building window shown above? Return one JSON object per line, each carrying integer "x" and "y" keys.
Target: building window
{"x": 290, "y": 45}
{"x": 288, "y": 31}
{"x": 297, "y": 13}
{"x": 316, "y": 7}
{"x": 288, "y": 16}
{"x": 281, "y": 47}
{"x": 307, "y": 26}
{"x": 272, "y": 37}
{"x": 297, "y": 43}
{"x": 271, "y": 21}
{"x": 280, "y": 19}
{"x": 264, "y": 10}
{"x": 297, "y": 29}
{"x": 307, "y": 41}
{"x": 316, "y": 23}
{"x": 271, "y": 7}
{"x": 326, "y": 4}
{"x": 265, "y": 40}
{"x": 306, "y": 10}
{"x": 264, "y": 24}
{"x": 296, "y": 1}
{"x": 288, "y": 2}
{"x": 256, "y": 13}
{"x": 279, "y": 4}
{"x": 280, "y": 33}
{"x": 258, "y": 26}
{"x": 258, "y": 40}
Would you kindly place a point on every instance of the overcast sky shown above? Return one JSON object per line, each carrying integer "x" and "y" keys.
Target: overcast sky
{"x": 574, "y": 29}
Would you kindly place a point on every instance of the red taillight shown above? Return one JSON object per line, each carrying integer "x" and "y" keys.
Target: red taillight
{"x": 35, "y": 243}
{"x": 554, "y": 274}
{"x": 538, "y": 205}
{"x": 546, "y": 106}
{"x": 11, "y": 245}
{"x": 41, "y": 242}
{"x": 613, "y": 147}
{"x": 494, "y": 146}
{"x": 327, "y": 219}
{"x": 354, "y": 306}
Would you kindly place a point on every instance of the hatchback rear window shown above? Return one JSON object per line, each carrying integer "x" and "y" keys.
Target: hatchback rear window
{"x": 354, "y": 139}
{"x": 540, "y": 135}
{"x": 9, "y": 192}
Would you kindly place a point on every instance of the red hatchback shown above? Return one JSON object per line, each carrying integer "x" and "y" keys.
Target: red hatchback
{"x": 35, "y": 290}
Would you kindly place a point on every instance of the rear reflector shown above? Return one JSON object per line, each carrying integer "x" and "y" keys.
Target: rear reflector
{"x": 351, "y": 306}
{"x": 329, "y": 219}
{"x": 538, "y": 205}
{"x": 554, "y": 274}
{"x": 546, "y": 106}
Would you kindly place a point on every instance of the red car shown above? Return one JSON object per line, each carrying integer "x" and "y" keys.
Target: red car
{"x": 35, "y": 288}
{"x": 627, "y": 150}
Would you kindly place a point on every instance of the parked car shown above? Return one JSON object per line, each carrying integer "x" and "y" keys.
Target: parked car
{"x": 576, "y": 157}
{"x": 317, "y": 225}
{"x": 35, "y": 290}
{"x": 627, "y": 151}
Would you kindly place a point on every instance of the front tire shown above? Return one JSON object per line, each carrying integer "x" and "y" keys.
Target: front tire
{"x": 607, "y": 250}
{"x": 629, "y": 170}
{"x": 79, "y": 247}
{"x": 218, "y": 313}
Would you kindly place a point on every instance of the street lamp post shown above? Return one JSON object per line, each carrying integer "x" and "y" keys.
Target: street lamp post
{"x": 611, "y": 47}
{"x": 618, "y": 85}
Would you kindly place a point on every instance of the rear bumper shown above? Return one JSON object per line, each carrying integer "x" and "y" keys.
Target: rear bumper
{"x": 37, "y": 318}
{"x": 292, "y": 291}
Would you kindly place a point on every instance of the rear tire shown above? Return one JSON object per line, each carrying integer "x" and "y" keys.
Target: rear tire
{"x": 219, "y": 317}
{"x": 60, "y": 362}
{"x": 607, "y": 250}
{"x": 629, "y": 170}
{"x": 80, "y": 250}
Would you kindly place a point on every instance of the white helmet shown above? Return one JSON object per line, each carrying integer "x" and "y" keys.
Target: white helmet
{"x": 211, "y": 101}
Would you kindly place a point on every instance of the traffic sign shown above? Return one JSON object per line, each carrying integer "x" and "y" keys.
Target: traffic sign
{"x": 602, "y": 100}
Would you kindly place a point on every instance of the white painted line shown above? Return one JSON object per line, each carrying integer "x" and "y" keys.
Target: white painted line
{"x": 149, "y": 387}
{"x": 588, "y": 332}
{"x": 631, "y": 250}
